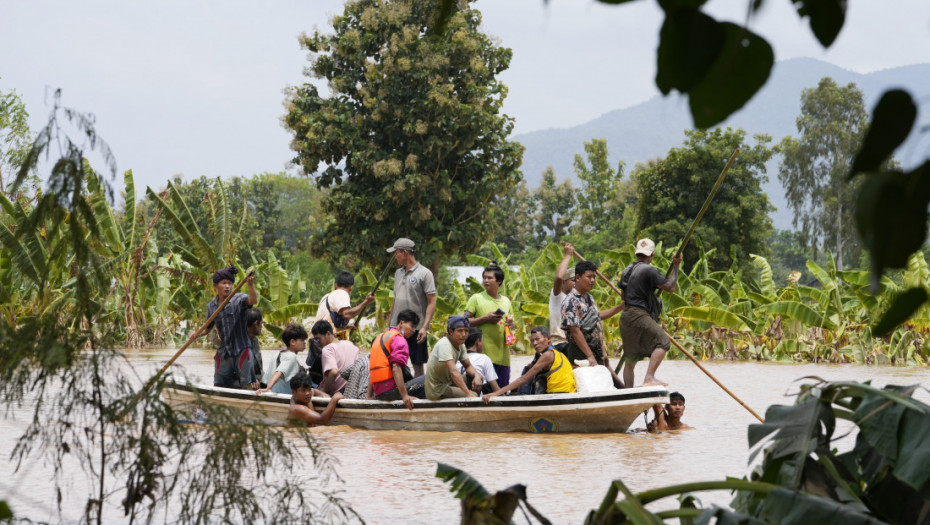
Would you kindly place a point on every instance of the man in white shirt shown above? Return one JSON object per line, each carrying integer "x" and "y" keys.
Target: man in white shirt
{"x": 336, "y": 307}
{"x": 561, "y": 286}
{"x": 482, "y": 363}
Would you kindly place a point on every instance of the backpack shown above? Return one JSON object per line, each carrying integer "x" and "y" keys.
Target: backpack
{"x": 314, "y": 360}
{"x": 338, "y": 321}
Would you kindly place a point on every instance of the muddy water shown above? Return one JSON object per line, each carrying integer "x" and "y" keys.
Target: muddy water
{"x": 389, "y": 477}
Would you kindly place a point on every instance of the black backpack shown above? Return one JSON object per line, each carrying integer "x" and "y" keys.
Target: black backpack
{"x": 339, "y": 321}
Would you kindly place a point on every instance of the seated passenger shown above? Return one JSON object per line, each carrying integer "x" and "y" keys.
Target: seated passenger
{"x": 549, "y": 372}
{"x": 482, "y": 363}
{"x": 301, "y": 409}
{"x": 357, "y": 379}
{"x": 286, "y": 365}
{"x": 669, "y": 417}
{"x": 336, "y": 355}
{"x": 443, "y": 379}
{"x": 389, "y": 354}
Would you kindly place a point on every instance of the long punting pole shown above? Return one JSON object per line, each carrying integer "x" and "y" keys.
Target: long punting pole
{"x": 194, "y": 336}
{"x": 387, "y": 268}
{"x": 691, "y": 357}
{"x": 700, "y": 215}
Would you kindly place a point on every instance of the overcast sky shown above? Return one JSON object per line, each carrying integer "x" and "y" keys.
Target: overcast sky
{"x": 195, "y": 88}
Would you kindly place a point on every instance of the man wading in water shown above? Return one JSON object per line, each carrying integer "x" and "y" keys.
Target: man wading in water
{"x": 642, "y": 335}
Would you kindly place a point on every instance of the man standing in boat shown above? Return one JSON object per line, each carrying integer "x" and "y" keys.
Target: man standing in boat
{"x": 414, "y": 289}
{"x": 561, "y": 287}
{"x": 232, "y": 361}
{"x": 336, "y": 308}
{"x": 493, "y": 314}
{"x": 581, "y": 320}
{"x": 642, "y": 335}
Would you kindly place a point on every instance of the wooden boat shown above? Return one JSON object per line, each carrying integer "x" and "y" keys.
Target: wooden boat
{"x": 610, "y": 411}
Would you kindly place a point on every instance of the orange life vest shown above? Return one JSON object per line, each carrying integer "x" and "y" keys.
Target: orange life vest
{"x": 379, "y": 365}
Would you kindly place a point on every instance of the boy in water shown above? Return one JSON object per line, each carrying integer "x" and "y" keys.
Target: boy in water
{"x": 301, "y": 408}
{"x": 669, "y": 417}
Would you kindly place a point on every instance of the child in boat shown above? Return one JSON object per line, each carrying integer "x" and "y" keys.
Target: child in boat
{"x": 669, "y": 417}
{"x": 389, "y": 354}
{"x": 336, "y": 356}
{"x": 549, "y": 372}
{"x": 301, "y": 409}
{"x": 482, "y": 363}
{"x": 286, "y": 365}
{"x": 443, "y": 379}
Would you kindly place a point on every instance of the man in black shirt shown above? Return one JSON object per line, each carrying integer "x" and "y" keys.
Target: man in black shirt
{"x": 642, "y": 336}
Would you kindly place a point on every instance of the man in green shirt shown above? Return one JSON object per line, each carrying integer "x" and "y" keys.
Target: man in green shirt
{"x": 492, "y": 312}
{"x": 443, "y": 379}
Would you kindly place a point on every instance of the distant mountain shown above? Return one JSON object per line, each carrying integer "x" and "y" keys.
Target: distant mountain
{"x": 649, "y": 130}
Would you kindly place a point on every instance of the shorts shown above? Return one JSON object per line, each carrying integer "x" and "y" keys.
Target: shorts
{"x": 419, "y": 354}
{"x": 641, "y": 335}
{"x": 574, "y": 352}
{"x": 232, "y": 371}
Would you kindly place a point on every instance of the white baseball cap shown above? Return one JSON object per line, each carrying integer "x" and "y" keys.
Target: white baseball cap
{"x": 645, "y": 247}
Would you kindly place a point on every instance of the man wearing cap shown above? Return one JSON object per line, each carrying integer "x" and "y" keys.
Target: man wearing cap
{"x": 443, "y": 379}
{"x": 639, "y": 328}
{"x": 232, "y": 361}
{"x": 414, "y": 289}
{"x": 561, "y": 287}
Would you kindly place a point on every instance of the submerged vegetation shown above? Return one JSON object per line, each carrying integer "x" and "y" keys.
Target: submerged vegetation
{"x": 805, "y": 475}
{"x": 78, "y": 279}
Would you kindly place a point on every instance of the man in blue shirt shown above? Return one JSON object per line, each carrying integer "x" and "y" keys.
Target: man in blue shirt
{"x": 233, "y": 366}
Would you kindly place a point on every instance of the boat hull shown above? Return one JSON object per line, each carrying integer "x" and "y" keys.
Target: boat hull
{"x": 611, "y": 411}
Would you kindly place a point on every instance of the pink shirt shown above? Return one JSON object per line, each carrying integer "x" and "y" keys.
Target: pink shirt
{"x": 338, "y": 355}
{"x": 400, "y": 353}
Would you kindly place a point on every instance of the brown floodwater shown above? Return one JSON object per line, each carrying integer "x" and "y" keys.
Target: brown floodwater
{"x": 389, "y": 476}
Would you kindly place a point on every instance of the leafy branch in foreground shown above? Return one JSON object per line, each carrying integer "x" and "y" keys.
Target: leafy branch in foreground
{"x": 88, "y": 416}
{"x": 884, "y": 477}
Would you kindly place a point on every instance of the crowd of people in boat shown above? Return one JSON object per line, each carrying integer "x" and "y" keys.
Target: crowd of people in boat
{"x": 471, "y": 359}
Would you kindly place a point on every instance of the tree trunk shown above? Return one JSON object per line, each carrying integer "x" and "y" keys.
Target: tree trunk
{"x": 839, "y": 237}
{"x": 435, "y": 268}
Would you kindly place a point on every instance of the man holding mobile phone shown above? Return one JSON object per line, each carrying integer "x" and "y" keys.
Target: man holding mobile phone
{"x": 490, "y": 312}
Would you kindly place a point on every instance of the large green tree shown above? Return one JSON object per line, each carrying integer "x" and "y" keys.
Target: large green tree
{"x": 15, "y": 139}
{"x": 410, "y": 134}
{"x": 606, "y": 201}
{"x": 815, "y": 167}
{"x": 672, "y": 191}
{"x": 555, "y": 208}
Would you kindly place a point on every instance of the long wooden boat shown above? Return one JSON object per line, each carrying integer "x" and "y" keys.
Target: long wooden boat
{"x": 610, "y": 411}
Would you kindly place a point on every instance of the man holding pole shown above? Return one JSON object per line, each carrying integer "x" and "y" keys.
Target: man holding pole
{"x": 642, "y": 335}
{"x": 414, "y": 289}
{"x": 581, "y": 320}
{"x": 233, "y": 367}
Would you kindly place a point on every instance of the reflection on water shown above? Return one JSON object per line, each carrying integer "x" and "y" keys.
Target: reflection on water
{"x": 389, "y": 476}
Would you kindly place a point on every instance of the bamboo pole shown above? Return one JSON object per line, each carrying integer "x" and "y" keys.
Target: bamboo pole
{"x": 700, "y": 215}
{"x": 195, "y": 335}
{"x": 387, "y": 268}
{"x": 691, "y": 357}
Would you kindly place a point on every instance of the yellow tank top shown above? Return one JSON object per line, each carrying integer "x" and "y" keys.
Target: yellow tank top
{"x": 561, "y": 379}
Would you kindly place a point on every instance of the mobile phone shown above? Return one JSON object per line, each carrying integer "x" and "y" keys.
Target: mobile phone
{"x": 499, "y": 312}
